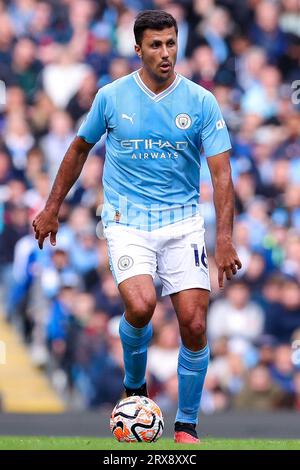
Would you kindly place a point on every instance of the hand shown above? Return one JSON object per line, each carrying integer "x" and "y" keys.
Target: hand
{"x": 227, "y": 260}
{"x": 44, "y": 224}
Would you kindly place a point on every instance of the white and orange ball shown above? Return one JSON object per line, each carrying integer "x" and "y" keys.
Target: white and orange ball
{"x": 136, "y": 419}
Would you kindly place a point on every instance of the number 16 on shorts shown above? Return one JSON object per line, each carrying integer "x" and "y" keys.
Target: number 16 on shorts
{"x": 197, "y": 258}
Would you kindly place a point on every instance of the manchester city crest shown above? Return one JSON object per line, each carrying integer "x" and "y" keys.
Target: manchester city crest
{"x": 125, "y": 262}
{"x": 183, "y": 121}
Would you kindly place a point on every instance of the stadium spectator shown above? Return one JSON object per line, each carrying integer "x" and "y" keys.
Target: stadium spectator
{"x": 66, "y": 69}
{"x": 266, "y": 32}
{"x": 57, "y": 140}
{"x": 81, "y": 102}
{"x": 282, "y": 369}
{"x": 163, "y": 353}
{"x": 236, "y": 316}
{"x": 107, "y": 297}
{"x": 25, "y": 66}
{"x": 282, "y": 320}
{"x": 259, "y": 392}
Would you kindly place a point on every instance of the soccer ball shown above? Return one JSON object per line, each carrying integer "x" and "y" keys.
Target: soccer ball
{"x": 136, "y": 419}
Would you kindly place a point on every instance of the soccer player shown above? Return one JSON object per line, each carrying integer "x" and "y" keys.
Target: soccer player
{"x": 156, "y": 123}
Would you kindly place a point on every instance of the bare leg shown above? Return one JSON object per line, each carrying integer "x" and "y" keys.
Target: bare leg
{"x": 139, "y": 296}
{"x": 191, "y": 308}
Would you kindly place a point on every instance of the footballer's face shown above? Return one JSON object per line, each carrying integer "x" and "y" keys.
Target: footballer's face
{"x": 158, "y": 52}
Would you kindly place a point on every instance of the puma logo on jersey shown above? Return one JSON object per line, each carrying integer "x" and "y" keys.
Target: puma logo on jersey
{"x": 129, "y": 118}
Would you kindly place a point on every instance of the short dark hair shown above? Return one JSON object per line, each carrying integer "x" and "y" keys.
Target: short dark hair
{"x": 152, "y": 19}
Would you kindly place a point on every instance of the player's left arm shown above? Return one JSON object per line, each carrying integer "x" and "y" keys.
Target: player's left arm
{"x": 226, "y": 257}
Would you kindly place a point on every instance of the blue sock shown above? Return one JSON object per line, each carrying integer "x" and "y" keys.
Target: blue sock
{"x": 192, "y": 367}
{"x": 135, "y": 344}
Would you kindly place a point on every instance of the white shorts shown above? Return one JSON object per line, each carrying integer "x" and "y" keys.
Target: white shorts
{"x": 175, "y": 252}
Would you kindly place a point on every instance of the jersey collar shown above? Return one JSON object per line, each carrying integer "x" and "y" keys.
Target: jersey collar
{"x": 153, "y": 96}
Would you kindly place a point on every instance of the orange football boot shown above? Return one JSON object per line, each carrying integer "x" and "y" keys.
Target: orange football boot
{"x": 185, "y": 433}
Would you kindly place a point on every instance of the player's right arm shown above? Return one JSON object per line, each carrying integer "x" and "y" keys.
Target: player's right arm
{"x": 46, "y": 222}
{"x": 90, "y": 131}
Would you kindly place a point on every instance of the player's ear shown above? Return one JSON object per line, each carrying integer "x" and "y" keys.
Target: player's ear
{"x": 138, "y": 50}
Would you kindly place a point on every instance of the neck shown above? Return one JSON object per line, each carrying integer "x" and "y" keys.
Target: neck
{"x": 154, "y": 84}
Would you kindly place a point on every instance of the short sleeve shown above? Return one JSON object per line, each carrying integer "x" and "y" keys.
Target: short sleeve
{"x": 94, "y": 125}
{"x": 214, "y": 137}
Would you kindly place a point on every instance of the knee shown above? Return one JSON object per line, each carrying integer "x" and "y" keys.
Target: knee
{"x": 197, "y": 328}
{"x": 140, "y": 311}
{"x": 194, "y": 323}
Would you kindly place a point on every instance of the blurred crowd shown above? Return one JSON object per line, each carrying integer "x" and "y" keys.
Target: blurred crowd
{"x": 54, "y": 55}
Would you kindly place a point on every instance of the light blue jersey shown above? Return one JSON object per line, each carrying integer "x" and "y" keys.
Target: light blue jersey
{"x": 151, "y": 174}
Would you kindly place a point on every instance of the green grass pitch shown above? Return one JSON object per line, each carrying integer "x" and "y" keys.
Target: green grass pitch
{"x": 94, "y": 443}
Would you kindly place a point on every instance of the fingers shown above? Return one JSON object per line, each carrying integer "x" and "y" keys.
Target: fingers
{"x": 53, "y": 238}
{"x": 238, "y": 263}
{"x": 35, "y": 222}
{"x": 42, "y": 230}
{"x": 227, "y": 262}
{"x": 40, "y": 237}
{"x": 41, "y": 241}
{"x": 229, "y": 271}
{"x": 220, "y": 277}
{"x": 233, "y": 269}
